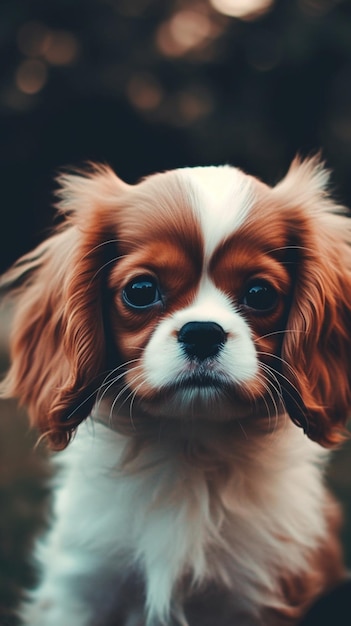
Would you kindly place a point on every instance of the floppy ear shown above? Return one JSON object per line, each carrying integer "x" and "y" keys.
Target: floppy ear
{"x": 58, "y": 347}
{"x": 317, "y": 344}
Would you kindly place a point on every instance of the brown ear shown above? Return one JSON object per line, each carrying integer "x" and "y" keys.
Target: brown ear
{"x": 58, "y": 349}
{"x": 317, "y": 344}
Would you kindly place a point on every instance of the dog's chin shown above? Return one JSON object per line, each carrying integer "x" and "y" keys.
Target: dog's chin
{"x": 198, "y": 396}
{"x": 200, "y": 402}
{"x": 191, "y": 398}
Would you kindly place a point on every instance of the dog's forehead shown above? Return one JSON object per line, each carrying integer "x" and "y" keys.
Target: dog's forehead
{"x": 220, "y": 197}
{"x": 206, "y": 204}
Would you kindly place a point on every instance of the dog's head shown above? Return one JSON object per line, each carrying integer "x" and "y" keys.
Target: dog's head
{"x": 198, "y": 293}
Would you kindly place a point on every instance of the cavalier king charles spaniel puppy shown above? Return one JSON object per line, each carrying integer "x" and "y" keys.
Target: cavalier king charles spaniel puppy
{"x": 186, "y": 343}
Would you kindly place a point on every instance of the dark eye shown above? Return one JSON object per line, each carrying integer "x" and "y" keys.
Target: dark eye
{"x": 142, "y": 292}
{"x": 260, "y": 296}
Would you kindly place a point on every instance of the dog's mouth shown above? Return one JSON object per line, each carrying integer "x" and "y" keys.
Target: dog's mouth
{"x": 201, "y": 395}
{"x": 200, "y": 380}
{"x": 199, "y": 391}
{"x": 197, "y": 395}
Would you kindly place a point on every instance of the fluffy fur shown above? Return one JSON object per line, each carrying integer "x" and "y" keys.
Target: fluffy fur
{"x": 201, "y": 321}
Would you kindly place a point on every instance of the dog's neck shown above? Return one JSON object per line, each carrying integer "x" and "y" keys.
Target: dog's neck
{"x": 213, "y": 446}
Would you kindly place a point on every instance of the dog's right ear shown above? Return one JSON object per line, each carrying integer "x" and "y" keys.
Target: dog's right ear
{"x": 57, "y": 346}
{"x": 316, "y": 349}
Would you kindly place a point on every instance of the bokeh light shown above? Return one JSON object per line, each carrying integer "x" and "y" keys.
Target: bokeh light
{"x": 31, "y": 76}
{"x": 194, "y": 103}
{"x": 144, "y": 91}
{"x": 62, "y": 48}
{"x": 33, "y": 38}
{"x": 186, "y": 30}
{"x": 42, "y": 47}
{"x": 57, "y": 47}
{"x": 243, "y": 9}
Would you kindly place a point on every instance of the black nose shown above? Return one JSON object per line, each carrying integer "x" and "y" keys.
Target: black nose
{"x": 202, "y": 339}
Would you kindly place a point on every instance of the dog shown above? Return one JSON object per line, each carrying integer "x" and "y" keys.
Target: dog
{"x": 185, "y": 343}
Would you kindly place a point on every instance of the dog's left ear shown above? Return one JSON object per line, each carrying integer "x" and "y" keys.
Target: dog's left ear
{"x": 58, "y": 347}
{"x": 316, "y": 350}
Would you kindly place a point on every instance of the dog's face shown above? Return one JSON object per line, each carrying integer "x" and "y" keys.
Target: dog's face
{"x": 199, "y": 293}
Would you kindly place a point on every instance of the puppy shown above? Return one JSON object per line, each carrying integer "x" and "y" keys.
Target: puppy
{"x": 187, "y": 343}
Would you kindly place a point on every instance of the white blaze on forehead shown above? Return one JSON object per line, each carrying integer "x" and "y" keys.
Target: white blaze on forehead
{"x": 221, "y": 198}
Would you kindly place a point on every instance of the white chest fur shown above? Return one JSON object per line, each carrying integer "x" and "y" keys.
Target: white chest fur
{"x": 168, "y": 518}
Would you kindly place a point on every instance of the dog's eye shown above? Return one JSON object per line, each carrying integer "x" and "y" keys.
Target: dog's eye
{"x": 260, "y": 296}
{"x": 142, "y": 292}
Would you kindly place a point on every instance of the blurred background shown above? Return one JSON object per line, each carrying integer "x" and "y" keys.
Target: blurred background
{"x": 147, "y": 85}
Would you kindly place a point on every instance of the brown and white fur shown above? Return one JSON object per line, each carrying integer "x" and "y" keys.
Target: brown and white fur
{"x": 201, "y": 322}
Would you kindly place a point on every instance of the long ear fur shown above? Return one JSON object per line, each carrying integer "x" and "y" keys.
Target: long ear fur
{"x": 317, "y": 346}
{"x": 58, "y": 349}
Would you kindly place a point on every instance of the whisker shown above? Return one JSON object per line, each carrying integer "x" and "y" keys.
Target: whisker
{"x": 105, "y": 243}
{"x": 290, "y": 384}
{"x": 112, "y": 382}
{"x": 117, "y": 258}
{"x": 108, "y": 386}
{"x": 279, "y": 332}
{"x": 304, "y": 248}
{"x": 132, "y": 402}
{"x": 290, "y": 391}
{"x": 270, "y": 388}
{"x": 118, "y": 396}
{"x": 97, "y": 389}
{"x": 278, "y": 358}
{"x": 243, "y": 429}
{"x": 262, "y": 397}
{"x": 76, "y": 408}
{"x": 271, "y": 371}
{"x": 121, "y": 392}
{"x": 122, "y": 365}
{"x": 95, "y": 392}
